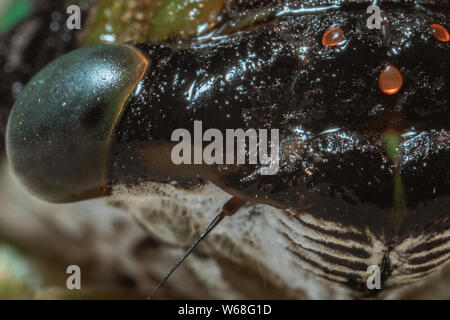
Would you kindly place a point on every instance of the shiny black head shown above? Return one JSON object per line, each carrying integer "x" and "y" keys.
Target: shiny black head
{"x": 363, "y": 113}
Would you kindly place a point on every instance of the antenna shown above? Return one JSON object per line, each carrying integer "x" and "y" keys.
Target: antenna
{"x": 229, "y": 208}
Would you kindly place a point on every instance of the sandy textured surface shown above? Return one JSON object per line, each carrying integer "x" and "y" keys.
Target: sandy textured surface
{"x": 130, "y": 240}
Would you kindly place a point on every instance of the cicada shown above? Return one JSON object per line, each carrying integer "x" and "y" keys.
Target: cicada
{"x": 362, "y": 116}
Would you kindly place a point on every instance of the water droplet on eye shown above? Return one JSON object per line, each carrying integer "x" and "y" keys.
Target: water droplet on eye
{"x": 332, "y": 37}
{"x": 439, "y": 32}
{"x": 391, "y": 80}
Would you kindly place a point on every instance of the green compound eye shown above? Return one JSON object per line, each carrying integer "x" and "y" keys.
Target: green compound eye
{"x": 60, "y": 128}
